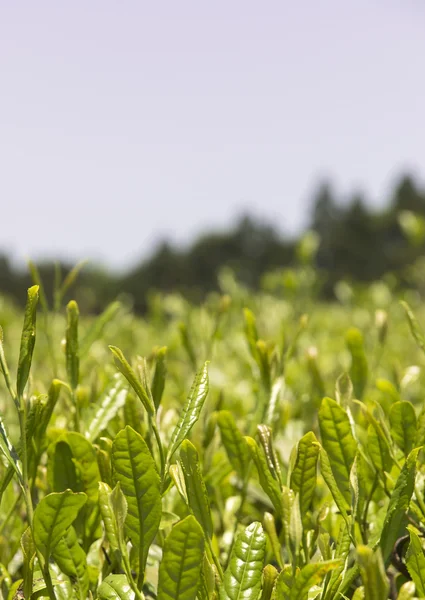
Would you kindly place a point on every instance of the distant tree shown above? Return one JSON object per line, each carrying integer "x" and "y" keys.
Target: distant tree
{"x": 355, "y": 243}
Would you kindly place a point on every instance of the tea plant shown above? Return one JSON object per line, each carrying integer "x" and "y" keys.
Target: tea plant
{"x": 269, "y": 452}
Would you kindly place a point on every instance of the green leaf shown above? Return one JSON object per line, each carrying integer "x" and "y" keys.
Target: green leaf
{"x": 242, "y": 578}
{"x": 52, "y": 517}
{"x": 372, "y": 569}
{"x": 98, "y": 325}
{"x": 28, "y": 551}
{"x": 62, "y": 473}
{"x": 195, "y": 487}
{"x": 176, "y": 474}
{"x": 36, "y": 279}
{"x": 399, "y": 504}
{"x": 113, "y": 400}
{"x": 407, "y": 591}
{"x": 270, "y": 574}
{"x": 158, "y": 382}
{"x": 326, "y": 470}
{"x": 344, "y": 389}
{"x": 303, "y": 476}
{"x": 270, "y": 529}
{"x": 295, "y": 525}
{"x": 85, "y": 461}
{"x": 207, "y": 584}
{"x": 310, "y": 575}
{"x": 113, "y": 508}
{"x": 115, "y": 587}
{"x": 187, "y": 344}
{"x": 415, "y": 562}
{"x": 284, "y": 583}
{"x": 379, "y": 450}
{"x": 71, "y": 347}
{"x": 47, "y": 411}
{"x": 264, "y": 364}
{"x": 339, "y": 443}
{"x": 71, "y": 559}
{"x": 234, "y": 443}
{"x": 415, "y": 328}
{"x": 270, "y": 485}
{"x": 251, "y": 332}
{"x": 9, "y": 451}
{"x": 190, "y": 411}
{"x": 358, "y": 594}
{"x": 265, "y": 437}
{"x": 124, "y": 367}
{"x": 74, "y": 465}
{"x": 27, "y": 340}
{"x": 341, "y": 551}
{"x": 359, "y": 367}
{"x": 420, "y": 429}
{"x": 180, "y": 568}
{"x": 68, "y": 282}
{"x": 136, "y": 471}
{"x": 403, "y": 425}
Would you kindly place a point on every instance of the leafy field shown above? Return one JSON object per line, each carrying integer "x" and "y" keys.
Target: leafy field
{"x": 266, "y": 446}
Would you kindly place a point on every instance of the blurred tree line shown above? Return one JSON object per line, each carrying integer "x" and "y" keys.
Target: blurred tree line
{"x": 357, "y": 244}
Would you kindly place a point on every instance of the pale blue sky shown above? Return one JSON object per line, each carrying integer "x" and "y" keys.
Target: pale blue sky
{"x": 125, "y": 122}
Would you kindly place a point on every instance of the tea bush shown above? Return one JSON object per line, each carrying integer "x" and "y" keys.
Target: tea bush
{"x": 256, "y": 447}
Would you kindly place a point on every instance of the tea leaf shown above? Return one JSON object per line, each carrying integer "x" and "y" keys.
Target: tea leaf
{"x": 158, "y": 382}
{"x": 242, "y": 578}
{"x": 97, "y": 327}
{"x": 399, "y": 503}
{"x": 268, "y": 483}
{"x": 190, "y": 411}
{"x": 113, "y": 400}
{"x": 303, "y": 477}
{"x": 71, "y": 348}
{"x": 403, "y": 425}
{"x": 339, "y": 443}
{"x": 71, "y": 559}
{"x": 359, "y": 366}
{"x": 195, "y": 487}
{"x": 113, "y": 508}
{"x": 415, "y": 562}
{"x": 326, "y": 470}
{"x": 54, "y": 514}
{"x": 236, "y": 447}
{"x": 136, "y": 471}
{"x": 310, "y": 575}
{"x": 27, "y": 340}
{"x": 115, "y": 587}
{"x": 180, "y": 568}
{"x": 375, "y": 582}
{"x": 270, "y": 574}
{"x": 125, "y": 368}
{"x": 414, "y": 326}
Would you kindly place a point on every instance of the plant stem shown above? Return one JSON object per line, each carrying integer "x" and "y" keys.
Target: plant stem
{"x": 27, "y": 494}
{"x": 363, "y": 524}
{"x": 77, "y": 410}
{"x": 139, "y": 595}
{"x": 48, "y": 581}
{"x": 215, "y": 559}
{"x": 160, "y": 448}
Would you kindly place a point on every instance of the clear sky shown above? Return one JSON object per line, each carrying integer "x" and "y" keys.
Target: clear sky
{"x": 124, "y": 122}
